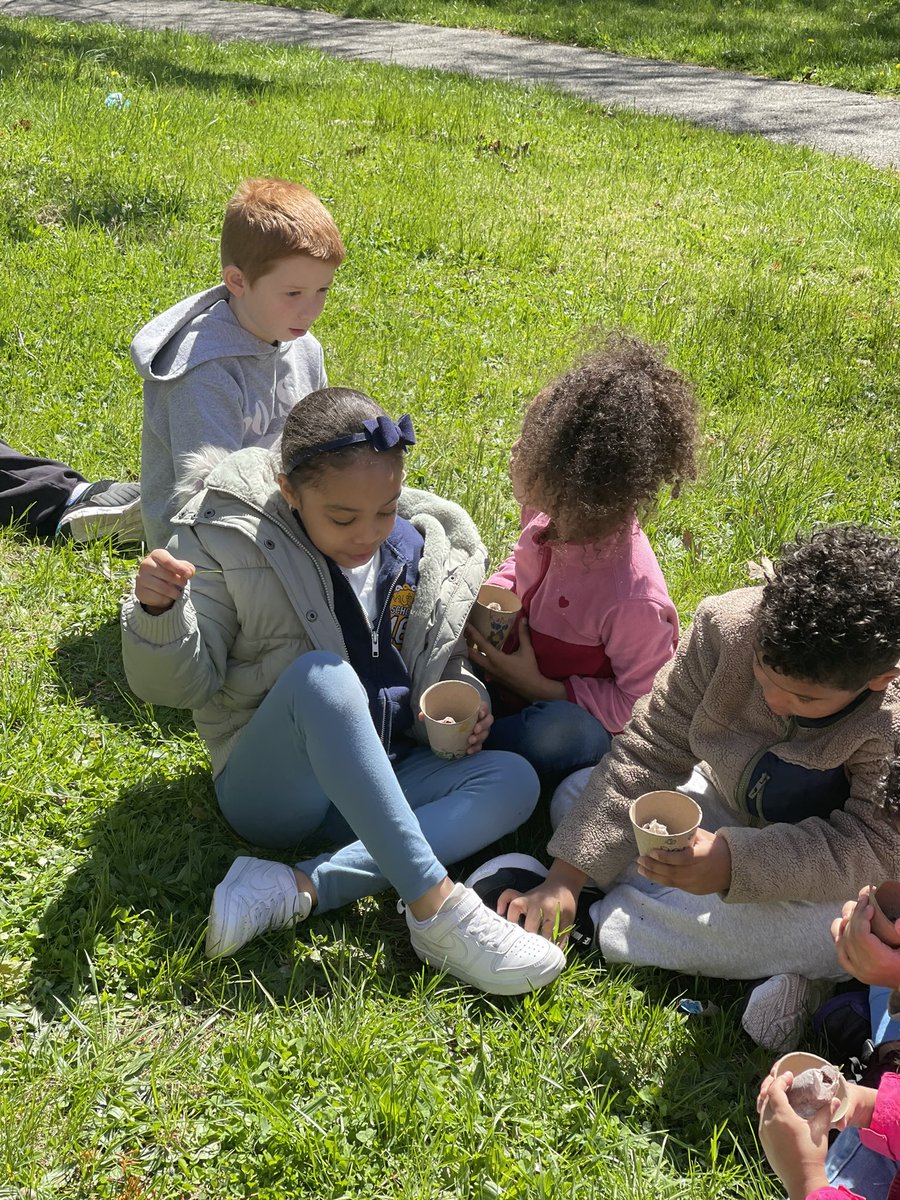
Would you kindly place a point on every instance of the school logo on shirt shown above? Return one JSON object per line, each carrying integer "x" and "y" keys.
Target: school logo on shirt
{"x": 401, "y": 605}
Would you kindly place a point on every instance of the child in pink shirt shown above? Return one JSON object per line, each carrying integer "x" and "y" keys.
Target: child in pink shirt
{"x": 597, "y": 622}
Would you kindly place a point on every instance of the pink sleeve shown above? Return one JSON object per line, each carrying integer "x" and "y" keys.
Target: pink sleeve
{"x": 883, "y": 1134}
{"x": 830, "y": 1193}
{"x": 505, "y": 575}
{"x": 639, "y": 637}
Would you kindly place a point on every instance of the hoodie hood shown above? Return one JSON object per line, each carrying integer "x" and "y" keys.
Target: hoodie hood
{"x": 192, "y": 332}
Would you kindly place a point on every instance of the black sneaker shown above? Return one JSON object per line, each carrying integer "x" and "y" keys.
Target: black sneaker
{"x": 885, "y": 1057}
{"x": 104, "y": 509}
{"x": 521, "y": 872}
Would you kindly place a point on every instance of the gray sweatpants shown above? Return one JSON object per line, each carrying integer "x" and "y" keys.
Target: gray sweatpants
{"x": 641, "y": 923}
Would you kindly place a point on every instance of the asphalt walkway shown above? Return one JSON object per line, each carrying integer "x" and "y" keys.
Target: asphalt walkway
{"x": 847, "y": 123}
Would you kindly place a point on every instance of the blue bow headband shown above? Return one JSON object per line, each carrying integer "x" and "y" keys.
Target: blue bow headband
{"x": 380, "y": 432}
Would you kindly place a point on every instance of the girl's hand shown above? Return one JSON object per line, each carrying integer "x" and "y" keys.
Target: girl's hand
{"x": 704, "y": 867}
{"x": 859, "y": 951}
{"x": 795, "y": 1148}
{"x": 518, "y": 671}
{"x": 481, "y": 730}
{"x": 160, "y": 581}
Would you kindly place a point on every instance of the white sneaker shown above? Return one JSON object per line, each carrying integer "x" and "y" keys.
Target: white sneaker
{"x": 255, "y": 896}
{"x": 777, "y": 1011}
{"x": 469, "y": 940}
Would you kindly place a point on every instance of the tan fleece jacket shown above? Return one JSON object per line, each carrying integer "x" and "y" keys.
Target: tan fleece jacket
{"x": 707, "y": 708}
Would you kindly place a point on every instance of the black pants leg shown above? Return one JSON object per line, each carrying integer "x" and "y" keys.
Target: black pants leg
{"x": 33, "y": 491}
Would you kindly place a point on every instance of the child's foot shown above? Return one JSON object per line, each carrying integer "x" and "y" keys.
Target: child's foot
{"x": 471, "y": 941}
{"x": 104, "y": 509}
{"x": 777, "y": 1011}
{"x": 521, "y": 872}
{"x": 255, "y": 896}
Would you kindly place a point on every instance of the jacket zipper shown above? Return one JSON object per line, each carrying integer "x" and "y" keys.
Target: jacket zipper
{"x": 387, "y": 599}
{"x": 754, "y": 795}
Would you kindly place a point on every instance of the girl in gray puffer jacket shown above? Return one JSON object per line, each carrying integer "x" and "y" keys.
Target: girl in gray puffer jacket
{"x": 302, "y": 622}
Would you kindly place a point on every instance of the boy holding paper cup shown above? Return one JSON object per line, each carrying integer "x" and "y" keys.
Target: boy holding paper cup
{"x": 776, "y": 715}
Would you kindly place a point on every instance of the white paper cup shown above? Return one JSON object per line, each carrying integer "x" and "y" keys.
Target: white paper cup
{"x": 450, "y": 698}
{"x": 801, "y": 1061}
{"x": 494, "y": 624}
{"x": 679, "y": 813}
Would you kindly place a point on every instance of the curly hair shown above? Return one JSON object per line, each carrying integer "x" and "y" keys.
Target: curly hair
{"x": 831, "y": 614}
{"x": 599, "y": 441}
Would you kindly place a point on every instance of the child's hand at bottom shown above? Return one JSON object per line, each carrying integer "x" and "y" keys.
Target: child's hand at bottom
{"x": 160, "y": 581}
{"x": 795, "y": 1148}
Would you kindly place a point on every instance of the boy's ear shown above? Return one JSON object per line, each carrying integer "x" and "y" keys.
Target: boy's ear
{"x": 880, "y": 682}
{"x": 233, "y": 278}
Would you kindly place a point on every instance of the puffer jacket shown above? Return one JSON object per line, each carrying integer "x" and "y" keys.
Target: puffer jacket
{"x": 262, "y": 596}
{"x": 706, "y": 708}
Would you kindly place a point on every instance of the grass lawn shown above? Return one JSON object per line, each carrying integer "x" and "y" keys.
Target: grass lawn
{"x": 844, "y": 43}
{"x": 489, "y": 229}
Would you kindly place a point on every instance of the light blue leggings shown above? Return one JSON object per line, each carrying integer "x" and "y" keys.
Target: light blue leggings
{"x": 556, "y": 736}
{"x": 309, "y": 763}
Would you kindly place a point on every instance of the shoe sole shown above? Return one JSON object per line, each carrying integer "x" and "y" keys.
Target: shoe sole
{"x": 506, "y": 862}
{"x": 120, "y": 521}
{"x": 512, "y": 987}
{"x": 220, "y": 892}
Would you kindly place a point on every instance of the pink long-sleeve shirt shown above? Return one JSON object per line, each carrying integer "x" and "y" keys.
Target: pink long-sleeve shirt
{"x": 882, "y": 1135}
{"x": 599, "y": 614}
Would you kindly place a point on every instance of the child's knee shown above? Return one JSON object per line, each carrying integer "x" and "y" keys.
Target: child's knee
{"x": 521, "y": 787}
{"x": 566, "y": 794}
{"x": 323, "y": 678}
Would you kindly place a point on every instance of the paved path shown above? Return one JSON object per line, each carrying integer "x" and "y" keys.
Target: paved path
{"x": 846, "y": 123}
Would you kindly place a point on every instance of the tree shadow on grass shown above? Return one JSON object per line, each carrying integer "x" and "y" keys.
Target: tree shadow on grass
{"x": 88, "y": 662}
{"x": 130, "y": 919}
{"x": 64, "y": 52}
{"x": 676, "y": 1076}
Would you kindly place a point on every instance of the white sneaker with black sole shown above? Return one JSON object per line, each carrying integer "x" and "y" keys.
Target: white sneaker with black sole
{"x": 255, "y": 896}
{"x": 467, "y": 939}
{"x": 106, "y": 508}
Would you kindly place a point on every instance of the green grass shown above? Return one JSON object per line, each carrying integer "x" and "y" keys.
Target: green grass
{"x": 490, "y": 229}
{"x": 844, "y": 43}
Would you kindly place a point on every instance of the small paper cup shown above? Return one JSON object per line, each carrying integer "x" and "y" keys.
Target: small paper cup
{"x": 801, "y": 1061}
{"x": 493, "y": 624}
{"x": 886, "y": 902}
{"x": 450, "y": 698}
{"x": 679, "y": 813}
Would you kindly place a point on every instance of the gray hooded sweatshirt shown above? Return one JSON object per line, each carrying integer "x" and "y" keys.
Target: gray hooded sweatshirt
{"x": 208, "y": 382}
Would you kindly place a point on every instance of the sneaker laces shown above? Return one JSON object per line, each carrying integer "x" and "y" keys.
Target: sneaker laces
{"x": 492, "y": 931}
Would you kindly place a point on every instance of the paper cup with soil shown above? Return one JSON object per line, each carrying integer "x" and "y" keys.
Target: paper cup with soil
{"x": 494, "y": 613}
{"x": 451, "y": 710}
{"x": 816, "y": 1083}
{"x": 664, "y": 821}
{"x": 886, "y": 902}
